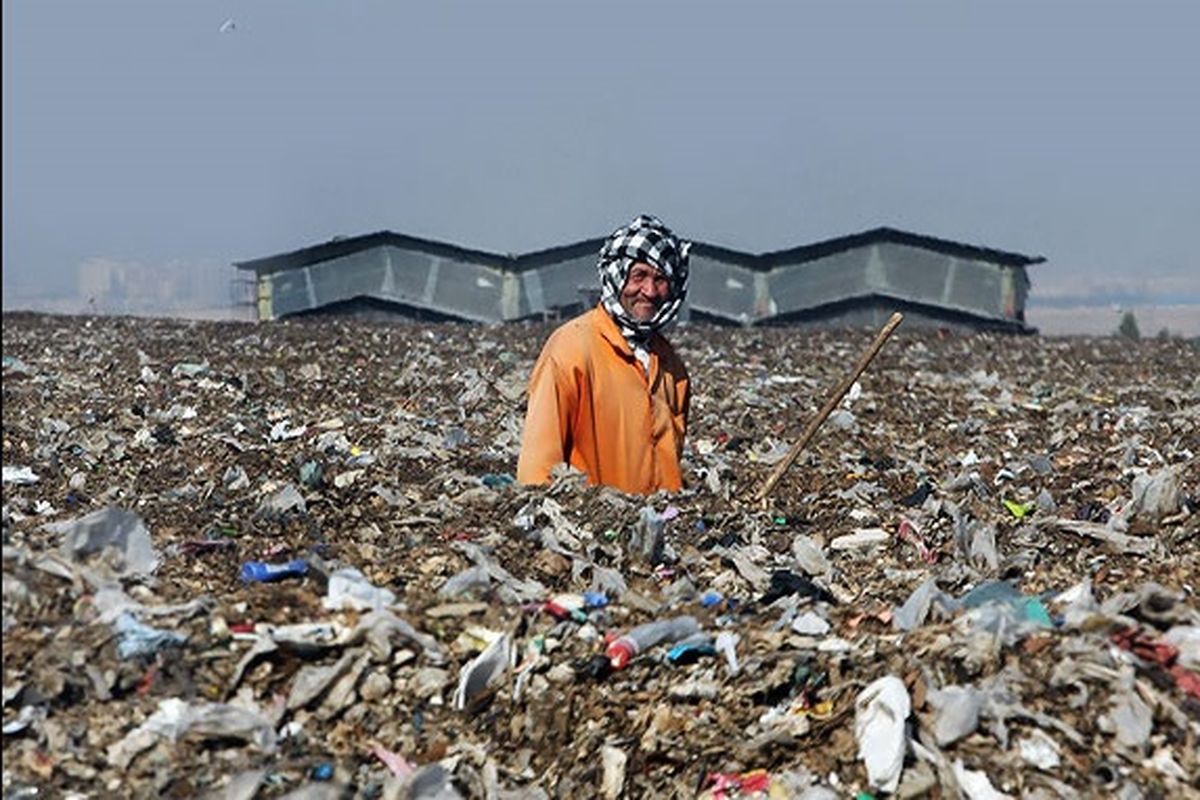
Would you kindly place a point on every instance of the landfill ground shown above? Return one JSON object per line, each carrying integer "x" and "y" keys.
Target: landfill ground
{"x": 1066, "y": 467}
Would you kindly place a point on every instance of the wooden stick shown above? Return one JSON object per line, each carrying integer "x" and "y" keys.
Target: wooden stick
{"x": 830, "y": 404}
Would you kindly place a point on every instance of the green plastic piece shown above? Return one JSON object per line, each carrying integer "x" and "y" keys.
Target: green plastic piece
{"x": 1018, "y": 510}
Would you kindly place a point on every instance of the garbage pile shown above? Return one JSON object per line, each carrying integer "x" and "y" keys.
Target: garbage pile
{"x": 291, "y": 560}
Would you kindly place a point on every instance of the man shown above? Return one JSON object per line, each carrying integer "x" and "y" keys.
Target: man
{"x": 608, "y": 395}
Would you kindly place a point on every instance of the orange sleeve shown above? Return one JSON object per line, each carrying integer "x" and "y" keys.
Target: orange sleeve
{"x": 551, "y": 407}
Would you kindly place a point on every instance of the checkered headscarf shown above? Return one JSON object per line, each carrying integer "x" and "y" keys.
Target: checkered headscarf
{"x": 648, "y": 240}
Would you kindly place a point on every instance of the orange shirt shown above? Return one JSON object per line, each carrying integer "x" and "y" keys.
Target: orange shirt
{"x": 592, "y": 406}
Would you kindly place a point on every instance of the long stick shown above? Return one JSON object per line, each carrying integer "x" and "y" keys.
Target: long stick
{"x": 830, "y": 404}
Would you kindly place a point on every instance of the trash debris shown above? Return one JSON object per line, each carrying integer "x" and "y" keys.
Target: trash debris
{"x": 746, "y": 784}
{"x": 312, "y": 473}
{"x": 647, "y": 540}
{"x": 282, "y": 500}
{"x": 975, "y": 784}
{"x": 477, "y": 676}
{"x": 497, "y": 481}
{"x": 118, "y": 537}
{"x": 958, "y": 710}
{"x": 137, "y": 640}
{"x": 918, "y": 497}
{"x": 785, "y": 583}
{"x": 861, "y": 539}
{"x": 259, "y": 572}
{"x": 643, "y": 637}
{"x": 395, "y": 762}
{"x": 1117, "y": 542}
{"x": 810, "y": 624}
{"x": 444, "y": 636}
{"x": 1156, "y": 494}
{"x": 809, "y": 556}
{"x": 1178, "y": 665}
{"x": 913, "y": 613}
{"x": 312, "y": 681}
{"x": 19, "y": 476}
{"x": 176, "y": 719}
{"x": 726, "y": 645}
{"x": 350, "y": 590}
{"x": 1019, "y": 510}
{"x": 612, "y": 764}
{"x": 692, "y": 649}
{"x": 1130, "y": 721}
{"x": 1039, "y": 749}
{"x": 880, "y": 714}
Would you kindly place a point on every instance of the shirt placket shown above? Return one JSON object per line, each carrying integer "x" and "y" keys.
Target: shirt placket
{"x": 652, "y": 378}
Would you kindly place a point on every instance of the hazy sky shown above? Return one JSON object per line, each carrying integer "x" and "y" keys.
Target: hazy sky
{"x": 139, "y": 131}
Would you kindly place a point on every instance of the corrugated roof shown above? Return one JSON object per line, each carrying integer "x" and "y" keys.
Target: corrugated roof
{"x": 718, "y": 253}
{"x": 553, "y": 255}
{"x": 345, "y": 245}
{"x": 342, "y": 246}
{"x": 811, "y": 252}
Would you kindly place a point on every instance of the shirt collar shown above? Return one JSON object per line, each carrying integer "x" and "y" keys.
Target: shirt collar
{"x": 609, "y": 330}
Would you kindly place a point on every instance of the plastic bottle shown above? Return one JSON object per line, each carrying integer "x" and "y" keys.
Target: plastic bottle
{"x": 622, "y": 649}
{"x": 690, "y": 649}
{"x": 259, "y": 572}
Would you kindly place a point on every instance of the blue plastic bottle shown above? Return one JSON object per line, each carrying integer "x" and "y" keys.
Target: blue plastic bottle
{"x": 259, "y": 572}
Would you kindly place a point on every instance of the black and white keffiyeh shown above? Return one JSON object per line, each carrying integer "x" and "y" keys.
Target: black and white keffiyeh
{"x": 647, "y": 240}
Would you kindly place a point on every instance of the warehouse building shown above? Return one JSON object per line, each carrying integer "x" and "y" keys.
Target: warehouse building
{"x": 855, "y": 280}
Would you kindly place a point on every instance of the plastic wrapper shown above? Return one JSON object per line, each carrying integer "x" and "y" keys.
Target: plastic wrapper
{"x": 880, "y": 714}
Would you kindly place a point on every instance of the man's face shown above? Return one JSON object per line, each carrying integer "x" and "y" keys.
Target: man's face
{"x": 646, "y": 289}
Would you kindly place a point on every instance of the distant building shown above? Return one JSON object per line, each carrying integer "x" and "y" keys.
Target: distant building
{"x": 110, "y": 286}
{"x": 853, "y": 280}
